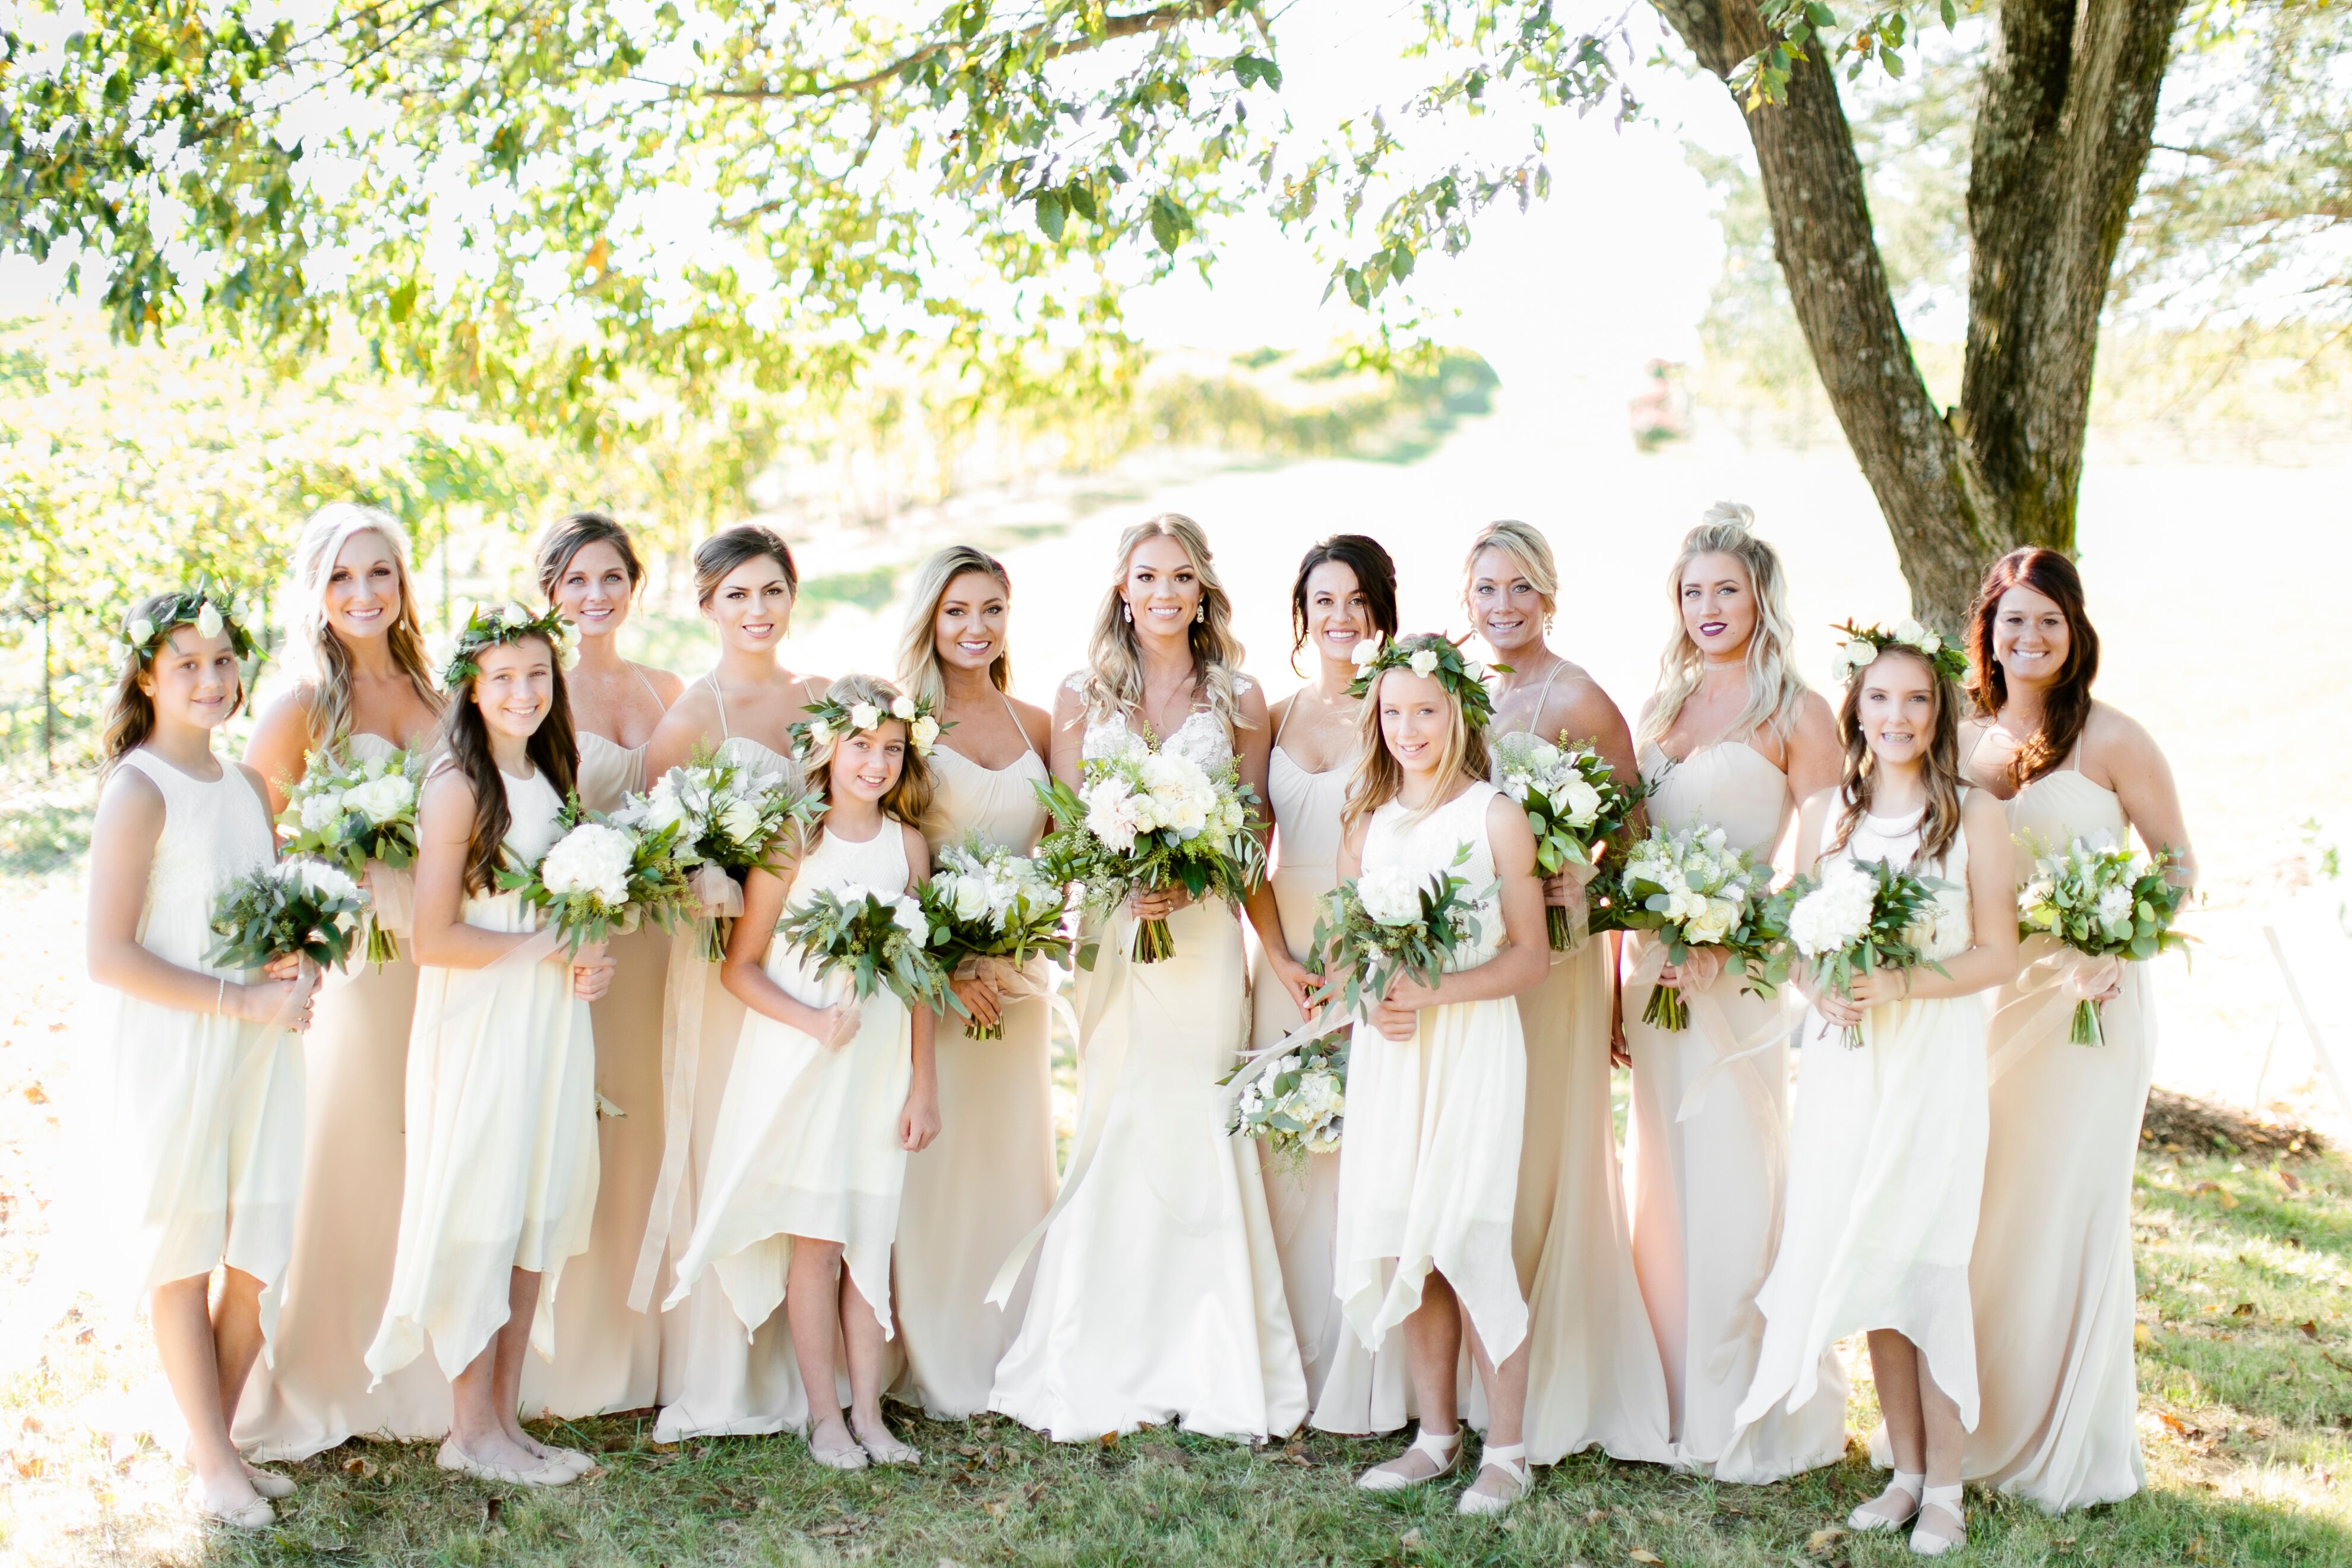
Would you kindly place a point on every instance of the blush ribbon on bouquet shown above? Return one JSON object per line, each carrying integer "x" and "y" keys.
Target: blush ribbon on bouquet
{"x": 2054, "y": 980}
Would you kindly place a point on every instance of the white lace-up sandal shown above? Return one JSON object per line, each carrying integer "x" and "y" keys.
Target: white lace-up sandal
{"x": 1929, "y": 1540}
{"x": 1872, "y": 1515}
{"x": 1511, "y": 1459}
{"x": 1444, "y": 1451}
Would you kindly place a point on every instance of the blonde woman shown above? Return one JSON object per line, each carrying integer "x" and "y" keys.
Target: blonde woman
{"x": 1159, "y": 1294}
{"x": 363, "y": 687}
{"x": 1731, "y": 740}
{"x": 989, "y": 1177}
{"x": 1594, "y": 1376}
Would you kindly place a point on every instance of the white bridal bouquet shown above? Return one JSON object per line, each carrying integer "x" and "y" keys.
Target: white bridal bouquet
{"x": 289, "y": 906}
{"x": 1298, "y": 1102}
{"x": 1695, "y": 889}
{"x": 1145, "y": 820}
{"x": 1854, "y": 918}
{"x": 604, "y": 875}
{"x": 350, "y": 811}
{"x": 993, "y": 913}
{"x": 881, "y": 938}
{"x": 2102, "y": 903}
{"x": 1574, "y": 805}
{"x": 1387, "y": 923}
{"x": 727, "y": 819}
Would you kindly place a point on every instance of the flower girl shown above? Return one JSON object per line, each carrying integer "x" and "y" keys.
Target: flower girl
{"x": 203, "y": 1138}
{"x": 1436, "y": 1085}
{"x": 1888, "y": 1143}
{"x": 499, "y": 1186}
{"x": 826, "y": 1096}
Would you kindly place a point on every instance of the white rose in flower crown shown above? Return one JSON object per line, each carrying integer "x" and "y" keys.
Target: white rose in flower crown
{"x": 926, "y": 731}
{"x": 1389, "y": 896}
{"x": 863, "y": 716}
{"x": 593, "y": 859}
{"x": 1424, "y": 662}
{"x": 820, "y": 732}
{"x": 1366, "y": 650}
{"x": 142, "y": 629}
{"x": 511, "y": 617}
{"x": 208, "y": 621}
{"x": 903, "y": 707}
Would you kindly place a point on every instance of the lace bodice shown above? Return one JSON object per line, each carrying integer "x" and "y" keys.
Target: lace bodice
{"x": 214, "y": 831}
{"x": 1200, "y": 740}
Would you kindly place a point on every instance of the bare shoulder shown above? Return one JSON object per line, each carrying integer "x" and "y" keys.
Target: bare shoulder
{"x": 1249, "y": 701}
{"x": 813, "y": 689}
{"x": 1037, "y": 724}
{"x": 918, "y": 854}
{"x": 446, "y": 790}
{"x": 2111, "y": 736}
{"x": 1981, "y": 812}
{"x": 1507, "y": 833}
{"x": 1069, "y": 701}
{"x": 1276, "y": 710}
{"x": 667, "y": 684}
{"x": 1815, "y": 722}
{"x": 1582, "y": 712}
{"x": 689, "y": 715}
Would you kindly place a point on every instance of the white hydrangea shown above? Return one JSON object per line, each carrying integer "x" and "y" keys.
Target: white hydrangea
{"x": 591, "y": 859}
{"x": 321, "y": 811}
{"x": 1389, "y": 896}
{"x": 1835, "y": 914}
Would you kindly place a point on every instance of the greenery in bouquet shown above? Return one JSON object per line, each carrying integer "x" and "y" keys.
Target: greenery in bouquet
{"x": 1298, "y": 1101}
{"x": 984, "y": 902}
{"x": 1856, "y": 917}
{"x": 1575, "y": 807}
{"x": 725, "y": 816}
{"x": 1693, "y": 889}
{"x": 880, "y": 940}
{"x": 2102, "y": 902}
{"x": 348, "y": 811}
{"x": 604, "y": 875}
{"x": 1386, "y": 924}
{"x": 307, "y": 906}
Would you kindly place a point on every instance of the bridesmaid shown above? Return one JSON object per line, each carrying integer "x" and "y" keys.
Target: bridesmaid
{"x": 1594, "y": 1375}
{"x": 202, "y": 1132}
{"x": 500, "y": 1186}
{"x": 2052, "y": 1269}
{"x": 1342, "y": 599}
{"x": 608, "y": 1357}
{"x": 362, "y": 685}
{"x": 989, "y": 1176}
{"x": 1889, "y": 1141}
{"x": 1159, "y": 1294}
{"x": 1730, "y": 740}
{"x": 712, "y": 1381}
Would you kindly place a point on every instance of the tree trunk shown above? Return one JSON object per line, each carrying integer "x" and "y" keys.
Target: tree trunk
{"x": 2060, "y": 140}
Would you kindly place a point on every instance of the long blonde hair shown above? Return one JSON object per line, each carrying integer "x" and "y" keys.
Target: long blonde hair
{"x": 1380, "y": 778}
{"x": 315, "y": 656}
{"x": 909, "y": 800}
{"x": 1527, "y": 549}
{"x": 918, "y": 646}
{"x": 1775, "y": 690}
{"x": 1114, "y": 679}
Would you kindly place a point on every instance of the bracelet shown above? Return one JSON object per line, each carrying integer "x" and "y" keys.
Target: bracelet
{"x": 220, "y": 996}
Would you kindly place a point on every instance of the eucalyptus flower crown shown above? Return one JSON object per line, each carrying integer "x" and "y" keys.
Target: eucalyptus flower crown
{"x": 490, "y": 626}
{"x": 210, "y": 612}
{"x": 830, "y": 721}
{"x": 1432, "y": 656}
{"x": 1864, "y": 644}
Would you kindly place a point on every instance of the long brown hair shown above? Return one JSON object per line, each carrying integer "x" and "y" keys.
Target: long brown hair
{"x": 909, "y": 800}
{"x": 130, "y": 717}
{"x": 1941, "y": 823}
{"x": 2067, "y": 707}
{"x": 553, "y": 750}
{"x": 1380, "y": 778}
{"x": 1375, "y": 579}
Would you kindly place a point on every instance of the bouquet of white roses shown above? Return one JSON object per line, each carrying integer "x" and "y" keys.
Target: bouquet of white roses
{"x": 1574, "y": 805}
{"x": 881, "y": 938}
{"x": 605, "y": 874}
{"x": 1854, "y": 919}
{"x": 1695, "y": 889}
{"x": 288, "y": 905}
{"x": 1298, "y": 1102}
{"x": 727, "y": 819}
{"x": 1385, "y": 923}
{"x": 1147, "y": 821}
{"x": 990, "y": 909}
{"x": 349, "y": 811}
{"x": 2101, "y": 902}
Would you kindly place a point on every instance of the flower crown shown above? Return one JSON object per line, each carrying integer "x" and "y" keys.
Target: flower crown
{"x": 490, "y": 628}
{"x": 1864, "y": 643}
{"x": 1432, "y": 656}
{"x": 209, "y": 611}
{"x": 830, "y": 720}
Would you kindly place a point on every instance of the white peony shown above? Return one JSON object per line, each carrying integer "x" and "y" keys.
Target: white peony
{"x": 2114, "y": 908}
{"x": 1424, "y": 662}
{"x": 1833, "y": 915}
{"x": 591, "y": 859}
{"x": 1389, "y": 896}
{"x": 208, "y": 621}
{"x": 1113, "y": 814}
{"x": 925, "y": 733}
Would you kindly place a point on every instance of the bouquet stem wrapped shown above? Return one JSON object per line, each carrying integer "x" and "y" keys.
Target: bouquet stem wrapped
{"x": 2105, "y": 904}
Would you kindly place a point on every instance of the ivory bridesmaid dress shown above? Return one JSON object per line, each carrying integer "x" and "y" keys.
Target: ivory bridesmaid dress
{"x": 1886, "y": 1165}
{"x": 1707, "y": 1146}
{"x": 608, "y": 1357}
{"x": 1158, "y": 1295}
{"x": 2052, "y": 1275}
{"x": 314, "y": 1390}
{"x": 988, "y": 1178}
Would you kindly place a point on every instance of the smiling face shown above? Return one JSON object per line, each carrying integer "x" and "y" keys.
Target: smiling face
{"x": 193, "y": 679}
{"x": 362, "y": 596}
{"x": 1416, "y": 721}
{"x": 1504, "y": 607}
{"x": 1719, "y": 606}
{"x": 752, "y": 605}
{"x": 1896, "y": 711}
{"x": 594, "y": 591}
{"x": 1339, "y": 611}
{"x": 1162, "y": 589}
{"x": 516, "y": 688}
{"x": 865, "y": 766}
{"x": 2031, "y": 638}
{"x": 968, "y": 627}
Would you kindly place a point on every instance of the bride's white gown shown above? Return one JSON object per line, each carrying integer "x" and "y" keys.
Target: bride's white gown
{"x": 1159, "y": 1290}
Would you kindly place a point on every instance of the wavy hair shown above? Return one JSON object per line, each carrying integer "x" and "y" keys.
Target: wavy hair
{"x": 316, "y": 654}
{"x": 918, "y": 648}
{"x": 909, "y": 800}
{"x": 1941, "y": 823}
{"x": 1775, "y": 689}
{"x": 1375, "y": 577}
{"x": 1114, "y": 678}
{"x": 1380, "y": 778}
{"x": 730, "y": 547}
{"x": 2067, "y": 707}
{"x": 553, "y": 749}
{"x": 128, "y": 721}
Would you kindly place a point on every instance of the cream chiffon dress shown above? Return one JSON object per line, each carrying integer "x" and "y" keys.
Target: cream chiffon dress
{"x": 1429, "y": 1168}
{"x": 1158, "y": 1294}
{"x": 1887, "y": 1164}
{"x": 988, "y": 1178}
{"x": 609, "y": 1357}
{"x": 315, "y": 1390}
{"x": 1706, "y": 1147}
{"x": 501, "y": 1171}
{"x": 201, "y": 1147}
{"x": 2052, "y": 1275}
{"x": 807, "y": 1141}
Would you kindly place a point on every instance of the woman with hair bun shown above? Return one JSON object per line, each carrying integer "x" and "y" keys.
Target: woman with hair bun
{"x": 2051, "y": 1274}
{"x": 1732, "y": 740}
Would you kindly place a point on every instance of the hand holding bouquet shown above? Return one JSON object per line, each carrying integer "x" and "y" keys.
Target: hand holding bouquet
{"x": 605, "y": 874}
{"x": 349, "y": 811}
{"x": 2113, "y": 904}
{"x": 880, "y": 938}
{"x": 726, "y": 818}
{"x": 1695, "y": 889}
{"x": 991, "y": 909}
{"x": 1854, "y": 919}
{"x": 1146, "y": 821}
{"x": 1386, "y": 924}
{"x": 288, "y": 908}
{"x": 1574, "y": 805}
{"x": 1297, "y": 1103}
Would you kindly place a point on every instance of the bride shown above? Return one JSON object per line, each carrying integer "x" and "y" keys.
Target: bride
{"x": 1159, "y": 1292}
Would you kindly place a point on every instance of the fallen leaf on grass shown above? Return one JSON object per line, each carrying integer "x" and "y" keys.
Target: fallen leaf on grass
{"x": 2310, "y": 1329}
{"x": 2180, "y": 1428}
{"x": 362, "y": 1467}
{"x": 969, "y": 1450}
{"x": 2242, "y": 1309}
{"x": 1823, "y": 1541}
{"x": 995, "y": 1510}
{"x": 2288, "y": 1180}
{"x": 2228, "y": 1199}
{"x": 1595, "y": 1515}
{"x": 30, "y": 1466}
{"x": 1638, "y": 1555}
{"x": 1409, "y": 1540}
{"x": 2142, "y": 1336}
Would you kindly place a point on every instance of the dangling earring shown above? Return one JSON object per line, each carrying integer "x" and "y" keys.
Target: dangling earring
{"x": 1200, "y": 612}
{"x": 1128, "y": 610}
{"x": 1547, "y": 623}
